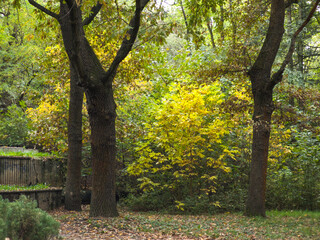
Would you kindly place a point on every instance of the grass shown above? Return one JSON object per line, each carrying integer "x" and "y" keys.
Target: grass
{"x": 235, "y": 226}
{"x": 26, "y": 154}
{"x": 17, "y": 188}
{"x": 278, "y": 225}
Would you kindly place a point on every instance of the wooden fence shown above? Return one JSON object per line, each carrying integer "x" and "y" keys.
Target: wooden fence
{"x": 28, "y": 171}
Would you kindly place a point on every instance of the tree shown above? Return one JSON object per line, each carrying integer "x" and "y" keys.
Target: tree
{"x": 263, "y": 84}
{"x": 97, "y": 84}
{"x": 73, "y": 182}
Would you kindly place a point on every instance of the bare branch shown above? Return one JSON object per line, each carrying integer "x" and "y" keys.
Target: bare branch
{"x": 43, "y": 9}
{"x": 94, "y": 11}
{"x": 277, "y": 76}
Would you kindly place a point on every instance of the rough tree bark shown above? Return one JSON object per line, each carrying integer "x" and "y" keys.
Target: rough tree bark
{"x": 72, "y": 190}
{"x": 97, "y": 84}
{"x": 262, "y": 89}
{"x": 263, "y": 108}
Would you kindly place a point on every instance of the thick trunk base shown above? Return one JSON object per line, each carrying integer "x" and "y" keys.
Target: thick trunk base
{"x": 102, "y": 115}
{"x": 258, "y": 171}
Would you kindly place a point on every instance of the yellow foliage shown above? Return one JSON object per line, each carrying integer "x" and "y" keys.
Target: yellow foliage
{"x": 50, "y": 120}
{"x": 278, "y": 150}
{"x": 185, "y": 138}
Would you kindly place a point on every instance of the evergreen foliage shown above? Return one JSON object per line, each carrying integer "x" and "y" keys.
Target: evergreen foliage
{"x": 23, "y": 220}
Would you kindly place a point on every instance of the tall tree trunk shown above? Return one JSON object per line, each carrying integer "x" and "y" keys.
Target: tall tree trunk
{"x": 263, "y": 108}
{"x": 87, "y": 71}
{"x": 100, "y": 102}
{"x": 102, "y": 113}
{"x": 72, "y": 193}
{"x": 262, "y": 88}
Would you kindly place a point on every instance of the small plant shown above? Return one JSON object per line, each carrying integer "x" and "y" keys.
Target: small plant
{"x": 23, "y": 220}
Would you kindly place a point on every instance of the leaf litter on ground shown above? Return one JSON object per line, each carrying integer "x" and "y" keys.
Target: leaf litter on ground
{"x": 145, "y": 225}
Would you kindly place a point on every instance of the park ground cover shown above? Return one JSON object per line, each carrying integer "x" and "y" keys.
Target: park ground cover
{"x": 145, "y": 225}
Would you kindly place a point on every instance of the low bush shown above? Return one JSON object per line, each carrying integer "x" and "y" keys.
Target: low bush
{"x": 23, "y": 220}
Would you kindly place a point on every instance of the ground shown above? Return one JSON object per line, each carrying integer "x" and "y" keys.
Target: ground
{"x": 141, "y": 226}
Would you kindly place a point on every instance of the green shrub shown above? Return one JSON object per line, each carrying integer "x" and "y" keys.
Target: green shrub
{"x": 294, "y": 183}
{"x": 3, "y": 218}
{"x": 165, "y": 201}
{"x": 149, "y": 201}
{"x": 229, "y": 196}
{"x": 23, "y": 220}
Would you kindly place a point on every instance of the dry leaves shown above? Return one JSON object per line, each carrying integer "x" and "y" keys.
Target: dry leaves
{"x": 143, "y": 226}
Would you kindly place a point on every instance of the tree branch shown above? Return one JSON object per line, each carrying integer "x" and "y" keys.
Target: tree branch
{"x": 184, "y": 16}
{"x": 129, "y": 38}
{"x": 94, "y": 11}
{"x": 269, "y": 49}
{"x": 43, "y": 9}
{"x": 277, "y": 76}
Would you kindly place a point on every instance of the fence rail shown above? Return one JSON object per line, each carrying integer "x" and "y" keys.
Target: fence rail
{"x": 29, "y": 171}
